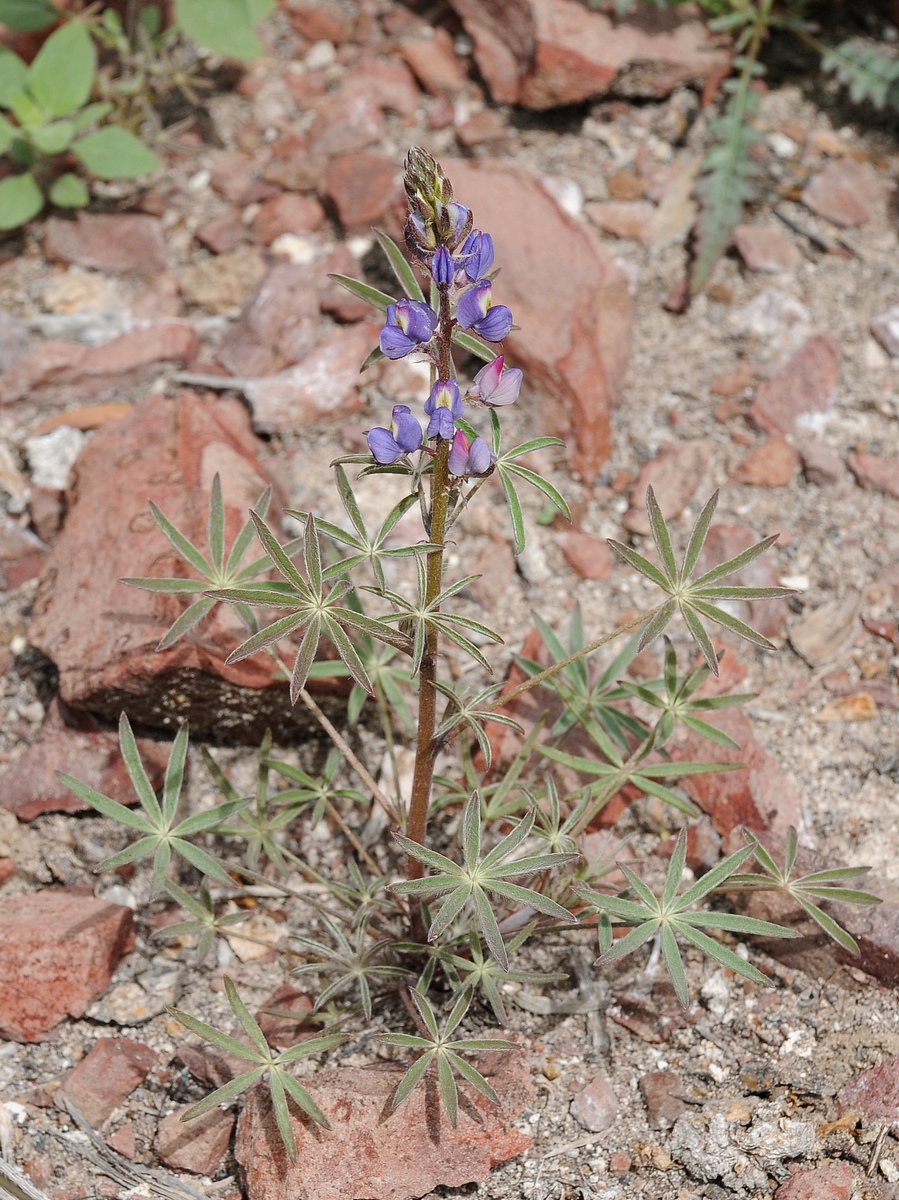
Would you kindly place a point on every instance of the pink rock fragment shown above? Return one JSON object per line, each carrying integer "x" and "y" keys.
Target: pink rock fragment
{"x": 845, "y": 192}
{"x": 595, "y": 1106}
{"x": 766, "y": 248}
{"x": 885, "y": 328}
{"x": 800, "y": 391}
{"x": 828, "y": 1181}
{"x": 633, "y": 219}
{"x": 106, "y": 1076}
{"x": 197, "y": 1146}
{"x": 361, "y": 188}
{"x": 772, "y": 464}
{"x": 875, "y": 473}
{"x": 674, "y": 475}
{"x": 118, "y": 243}
{"x": 60, "y": 950}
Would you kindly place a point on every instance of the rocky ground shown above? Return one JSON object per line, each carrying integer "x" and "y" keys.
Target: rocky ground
{"x": 190, "y": 328}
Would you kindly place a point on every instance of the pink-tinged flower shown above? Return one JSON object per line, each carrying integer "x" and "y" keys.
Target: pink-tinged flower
{"x": 494, "y": 386}
{"x": 477, "y": 311}
{"x": 403, "y": 437}
{"x": 476, "y": 256}
{"x": 409, "y": 324}
{"x": 470, "y": 458}
{"x": 444, "y": 407}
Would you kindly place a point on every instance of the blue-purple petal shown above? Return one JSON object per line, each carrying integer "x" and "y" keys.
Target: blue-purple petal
{"x": 473, "y": 304}
{"x": 394, "y": 343}
{"x": 496, "y": 324}
{"x": 383, "y": 446}
{"x": 442, "y": 267}
{"x": 441, "y": 424}
{"x": 407, "y": 429}
{"x": 480, "y": 457}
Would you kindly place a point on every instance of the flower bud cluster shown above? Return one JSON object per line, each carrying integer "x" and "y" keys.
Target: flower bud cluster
{"x": 440, "y": 234}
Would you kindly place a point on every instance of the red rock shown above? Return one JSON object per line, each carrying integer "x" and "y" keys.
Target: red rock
{"x": 346, "y": 121}
{"x": 234, "y": 178}
{"x": 434, "y": 64}
{"x": 124, "y": 1142}
{"x": 772, "y": 464}
{"x": 766, "y": 248}
{"x": 503, "y": 35}
{"x": 168, "y": 450}
{"x": 76, "y": 743}
{"x": 570, "y": 299}
{"x": 829, "y": 1181}
{"x": 874, "y": 473}
{"x": 634, "y": 219}
{"x": 579, "y": 53}
{"x": 292, "y": 167}
{"x": 485, "y": 128}
{"x": 314, "y": 25}
{"x": 845, "y": 192}
{"x": 278, "y": 324}
{"x": 885, "y": 328}
{"x": 874, "y": 1093}
{"x": 595, "y": 1107}
{"x": 625, "y": 185}
{"x": 64, "y": 370}
{"x": 674, "y": 475}
{"x": 587, "y": 556}
{"x": 282, "y": 1032}
{"x": 336, "y": 300}
{"x": 800, "y": 391}
{"x": 619, "y": 1163}
{"x": 661, "y": 1092}
{"x": 107, "y": 1074}
{"x": 59, "y": 953}
{"x": 7, "y": 870}
{"x": 391, "y": 85}
{"x": 118, "y": 243}
{"x": 366, "y": 1153}
{"x": 495, "y": 568}
{"x": 21, "y": 554}
{"x": 287, "y": 213}
{"x": 759, "y": 796}
{"x": 46, "y": 507}
{"x": 196, "y": 1146}
{"x": 223, "y": 233}
{"x": 361, "y": 188}
{"x": 820, "y": 464}
{"x": 14, "y": 340}
{"x": 323, "y": 384}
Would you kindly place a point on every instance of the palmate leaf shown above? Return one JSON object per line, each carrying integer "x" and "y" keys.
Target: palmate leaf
{"x": 866, "y": 71}
{"x": 510, "y": 471}
{"x": 161, "y": 836}
{"x": 440, "y": 1050}
{"x": 264, "y": 1064}
{"x": 809, "y": 890}
{"x": 696, "y": 598}
{"x": 358, "y": 964}
{"x": 669, "y": 916}
{"x": 475, "y": 877}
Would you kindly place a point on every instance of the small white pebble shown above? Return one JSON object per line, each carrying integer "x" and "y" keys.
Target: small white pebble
{"x": 199, "y": 182}
{"x": 321, "y": 55}
{"x": 17, "y": 645}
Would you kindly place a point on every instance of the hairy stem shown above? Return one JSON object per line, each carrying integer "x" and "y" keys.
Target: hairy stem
{"x": 427, "y": 692}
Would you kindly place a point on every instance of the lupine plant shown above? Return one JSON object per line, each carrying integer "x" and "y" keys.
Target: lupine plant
{"x": 480, "y": 859}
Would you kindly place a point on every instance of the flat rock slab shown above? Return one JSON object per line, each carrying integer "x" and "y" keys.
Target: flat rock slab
{"x": 802, "y": 391}
{"x": 59, "y": 954}
{"x": 378, "y": 1155}
{"x": 570, "y": 299}
{"x": 118, "y": 243}
{"x": 106, "y": 1076}
{"x": 103, "y": 635}
{"x": 77, "y": 743}
{"x": 196, "y": 1146}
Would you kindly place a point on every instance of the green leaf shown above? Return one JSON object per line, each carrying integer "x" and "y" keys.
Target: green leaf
{"x": 364, "y": 291}
{"x": 114, "y": 153}
{"x": 91, "y": 114}
{"x": 8, "y": 133}
{"x": 473, "y": 346}
{"x": 400, "y": 267}
{"x": 223, "y": 26}
{"x": 69, "y": 192}
{"x": 13, "y": 73}
{"x": 62, "y": 74}
{"x": 28, "y": 16}
{"x": 53, "y": 138}
{"x": 20, "y": 200}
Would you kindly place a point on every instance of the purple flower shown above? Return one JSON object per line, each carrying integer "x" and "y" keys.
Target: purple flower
{"x": 453, "y": 223}
{"x": 477, "y": 254}
{"x": 442, "y": 267}
{"x": 477, "y": 311}
{"x": 444, "y": 407}
{"x": 470, "y": 458}
{"x": 409, "y": 323}
{"x": 403, "y": 436}
{"x": 494, "y": 386}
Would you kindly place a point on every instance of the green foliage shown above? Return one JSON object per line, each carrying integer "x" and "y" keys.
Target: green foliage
{"x": 668, "y": 916}
{"x": 440, "y": 1050}
{"x": 49, "y": 102}
{"x": 355, "y": 964}
{"x": 695, "y": 599}
{"x": 266, "y": 1066}
{"x": 472, "y": 880}
{"x": 809, "y": 891}
{"x": 225, "y": 27}
{"x": 161, "y": 834}
{"x": 206, "y": 924}
{"x": 28, "y": 16}
{"x": 868, "y": 73}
